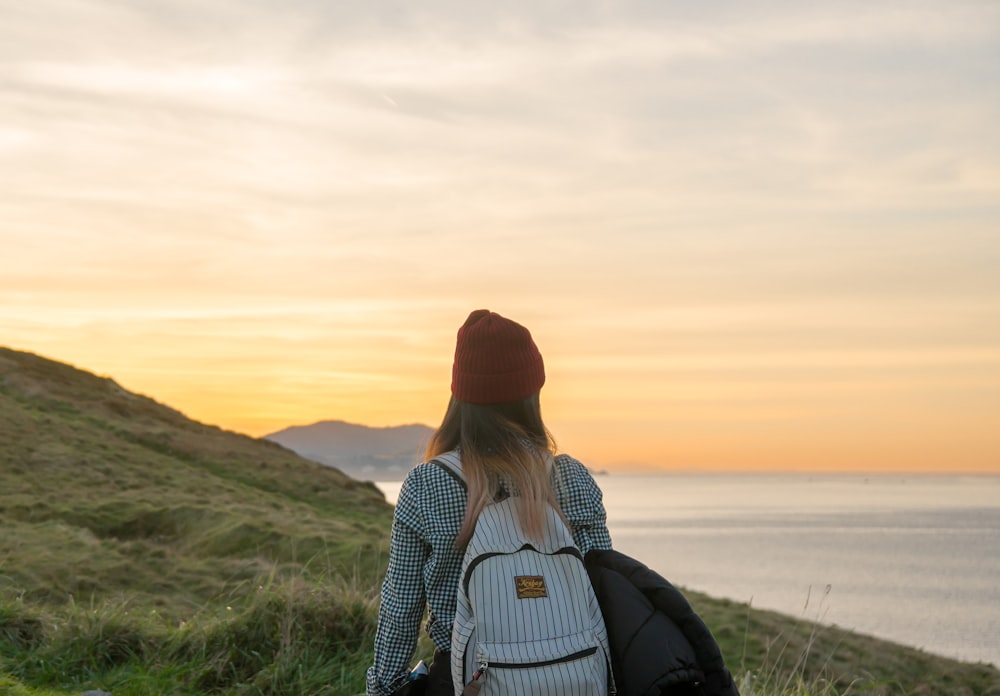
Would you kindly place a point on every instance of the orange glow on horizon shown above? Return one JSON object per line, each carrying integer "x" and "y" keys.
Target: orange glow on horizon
{"x": 908, "y": 420}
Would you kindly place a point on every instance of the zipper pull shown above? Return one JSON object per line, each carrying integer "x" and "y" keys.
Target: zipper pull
{"x": 473, "y": 687}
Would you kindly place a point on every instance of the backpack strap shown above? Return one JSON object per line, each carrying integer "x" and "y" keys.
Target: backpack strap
{"x": 449, "y": 462}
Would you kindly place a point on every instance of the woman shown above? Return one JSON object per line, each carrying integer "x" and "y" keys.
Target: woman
{"x": 493, "y": 428}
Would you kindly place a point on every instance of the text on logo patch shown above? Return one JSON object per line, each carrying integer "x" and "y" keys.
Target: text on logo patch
{"x": 530, "y": 586}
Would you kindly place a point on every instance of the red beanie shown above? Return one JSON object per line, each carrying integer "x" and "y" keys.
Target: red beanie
{"x": 495, "y": 361}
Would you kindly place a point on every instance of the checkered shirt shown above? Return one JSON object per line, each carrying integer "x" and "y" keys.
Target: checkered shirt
{"x": 424, "y": 566}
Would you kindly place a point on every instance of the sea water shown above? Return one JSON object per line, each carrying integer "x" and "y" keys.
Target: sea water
{"x": 913, "y": 559}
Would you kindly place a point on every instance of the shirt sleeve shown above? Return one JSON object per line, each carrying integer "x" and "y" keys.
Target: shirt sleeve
{"x": 582, "y": 503}
{"x": 403, "y": 599}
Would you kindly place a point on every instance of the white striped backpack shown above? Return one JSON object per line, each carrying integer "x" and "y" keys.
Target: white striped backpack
{"x": 527, "y": 621}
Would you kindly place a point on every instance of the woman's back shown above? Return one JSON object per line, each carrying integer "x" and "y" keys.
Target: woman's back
{"x": 493, "y": 432}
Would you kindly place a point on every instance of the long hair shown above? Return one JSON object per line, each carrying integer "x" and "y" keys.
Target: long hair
{"x": 501, "y": 445}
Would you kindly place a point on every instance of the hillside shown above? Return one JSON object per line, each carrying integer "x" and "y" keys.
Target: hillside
{"x": 372, "y": 454}
{"x": 103, "y": 491}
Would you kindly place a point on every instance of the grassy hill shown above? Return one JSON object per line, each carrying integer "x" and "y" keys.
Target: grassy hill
{"x": 144, "y": 553}
{"x": 108, "y": 491}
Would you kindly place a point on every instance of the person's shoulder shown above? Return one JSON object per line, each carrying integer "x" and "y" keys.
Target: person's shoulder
{"x": 573, "y": 473}
{"x": 435, "y": 473}
{"x": 570, "y": 466}
{"x": 576, "y": 490}
{"x": 425, "y": 485}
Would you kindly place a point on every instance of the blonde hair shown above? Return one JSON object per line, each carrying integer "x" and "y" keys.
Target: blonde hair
{"x": 505, "y": 450}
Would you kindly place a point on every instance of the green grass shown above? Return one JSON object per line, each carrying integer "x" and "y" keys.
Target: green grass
{"x": 144, "y": 553}
{"x": 292, "y": 635}
{"x": 773, "y": 654}
{"x": 275, "y": 637}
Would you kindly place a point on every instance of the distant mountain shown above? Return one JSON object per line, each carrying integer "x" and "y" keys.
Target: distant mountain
{"x": 373, "y": 454}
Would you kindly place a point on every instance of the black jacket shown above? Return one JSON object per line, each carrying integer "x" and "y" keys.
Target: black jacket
{"x": 659, "y": 645}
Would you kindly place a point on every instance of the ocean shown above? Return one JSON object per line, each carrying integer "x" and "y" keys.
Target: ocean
{"x": 911, "y": 558}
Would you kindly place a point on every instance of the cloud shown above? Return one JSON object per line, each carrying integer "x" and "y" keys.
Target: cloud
{"x": 635, "y": 178}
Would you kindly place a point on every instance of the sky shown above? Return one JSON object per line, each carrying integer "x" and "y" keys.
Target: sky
{"x": 756, "y": 235}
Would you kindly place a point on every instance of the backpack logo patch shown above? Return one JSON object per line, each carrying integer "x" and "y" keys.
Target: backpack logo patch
{"x": 530, "y": 586}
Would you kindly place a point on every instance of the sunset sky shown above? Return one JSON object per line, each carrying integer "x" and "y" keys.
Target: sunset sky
{"x": 745, "y": 235}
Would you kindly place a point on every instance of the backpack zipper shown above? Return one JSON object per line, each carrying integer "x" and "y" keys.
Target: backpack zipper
{"x": 473, "y": 687}
{"x": 544, "y": 663}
